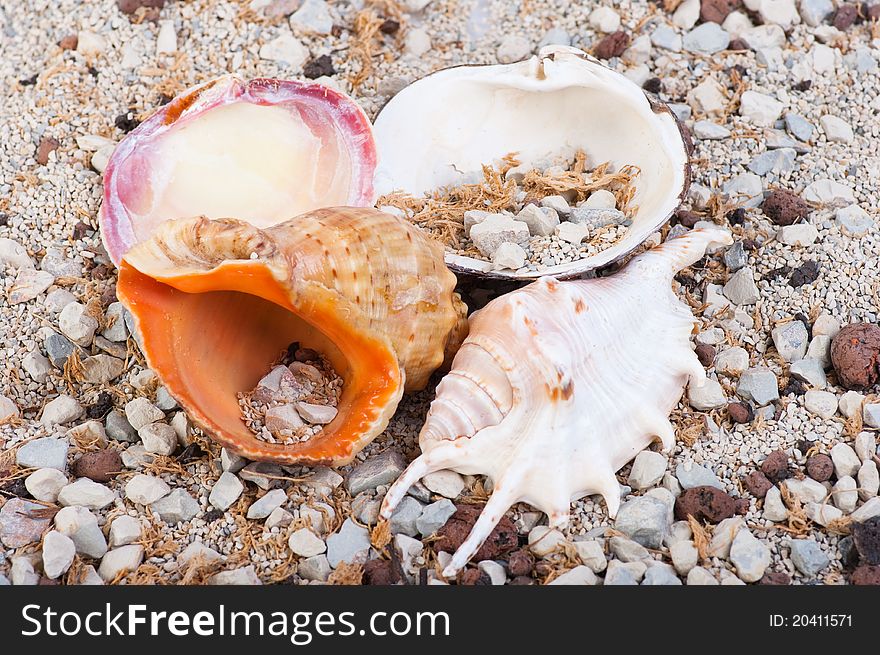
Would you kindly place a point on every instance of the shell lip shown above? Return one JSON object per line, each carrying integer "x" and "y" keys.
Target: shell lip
{"x": 469, "y": 267}
{"x": 350, "y": 121}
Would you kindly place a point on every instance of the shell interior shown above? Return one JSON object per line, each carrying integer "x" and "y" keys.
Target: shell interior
{"x": 440, "y": 130}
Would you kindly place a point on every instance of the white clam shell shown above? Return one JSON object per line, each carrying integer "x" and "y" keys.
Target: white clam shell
{"x": 559, "y": 384}
{"x": 440, "y": 130}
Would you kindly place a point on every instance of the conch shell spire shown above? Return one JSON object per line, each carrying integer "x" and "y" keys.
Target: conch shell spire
{"x": 559, "y": 384}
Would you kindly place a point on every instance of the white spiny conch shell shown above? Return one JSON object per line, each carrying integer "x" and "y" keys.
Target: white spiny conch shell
{"x": 559, "y": 384}
{"x": 440, "y": 131}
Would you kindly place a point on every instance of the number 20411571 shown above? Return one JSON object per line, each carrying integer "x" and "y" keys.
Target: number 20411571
{"x": 811, "y": 621}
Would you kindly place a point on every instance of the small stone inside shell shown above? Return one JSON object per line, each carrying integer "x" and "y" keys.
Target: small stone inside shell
{"x": 294, "y": 400}
{"x": 528, "y": 218}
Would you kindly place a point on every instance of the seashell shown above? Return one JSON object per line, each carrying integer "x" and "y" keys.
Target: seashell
{"x": 561, "y": 99}
{"x": 559, "y": 384}
{"x": 216, "y": 301}
{"x": 261, "y": 150}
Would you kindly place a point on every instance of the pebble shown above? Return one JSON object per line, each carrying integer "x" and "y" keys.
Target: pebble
{"x": 285, "y": 49}
{"x": 750, "y": 557}
{"x": 741, "y": 288}
{"x": 660, "y": 574}
{"x": 829, "y": 192}
{"x": 774, "y": 508}
{"x": 282, "y": 417}
{"x": 591, "y": 554}
{"x": 37, "y": 366}
{"x": 706, "y": 397}
{"x": 760, "y": 109}
{"x": 758, "y": 385}
{"x": 61, "y": 410}
{"x": 313, "y": 16}
{"x": 59, "y": 349}
{"x": 351, "y": 544}
{"x": 176, "y": 507}
{"x": 58, "y": 554}
{"x": 434, "y": 517}
{"x": 764, "y": 36}
{"x": 798, "y": 126}
{"x": 836, "y": 129}
{"x": 869, "y": 480}
{"x": 125, "y": 530}
{"x": 710, "y": 131}
{"x": 624, "y": 573}
{"x": 381, "y": 469}
{"x": 666, "y": 38}
{"x": 28, "y": 285}
{"x": 158, "y": 438}
{"x": 571, "y": 232}
{"x": 541, "y": 221}
{"x": 199, "y": 553}
{"x": 811, "y": 371}
{"x": 86, "y": 493}
{"x": 723, "y": 535}
{"x": 854, "y": 221}
{"x": 265, "y": 475}
{"x": 706, "y": 39}
{"x": 22, "y": 572}
{"x": 446, "y": 483}
{"x": 627, "y": 550}
{"x": 14, "y": 254}
{"x": 869, "y": 510}
{"x": 846, "y": 462}
{"x": 316, "y": 414}
{"x": 146, "y": 489}
{"x": 405, "y": 516}
{"x": 8, "y": 410}
{"x": 140, "y": 412}
{"x": 417, "y": 42}
{"x": 77, "y": 325}
{"x": 267, "y": 504}
{"x": 81, "y": 526}
{"x": 314, "y": 568}
{"x": 820, "y": 350}
{"x": 118, "y": 427}
{"x": 226, "y": 491}
{"x": 509, "y": 256}
{"x": 806, "y": 490}
{"x": 732, "y": 361}
{"x": 305, "y": 543}
{"x": 845, "y": 494}
{"x": 692, "y": 475}
{"x": 47, "y": 452}
{"x": 604, "y": 19}
{"x": 700, "y": 576}
{"x": 18, "y": 527}
{"x": 544, "y": 540}
{"x": 513, "y": 47}
{"x": 579, "y": 575}
{"x": 822, "y": 514}
{"x": 821, "y": 403}
{"x": 647, "y": 470}
{"x": 779, "y": 161}
{"x": 814, "y": 12}
{"x": 687, "y": 14}
{"x": 45, "y": 483}
{"x": 644, "y": 519}
{"x": 279, "y": 518}
{"x": 244, "y": 576}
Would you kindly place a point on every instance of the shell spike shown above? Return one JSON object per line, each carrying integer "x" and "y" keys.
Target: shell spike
{"x": 417, "y": 469}
{"x": 499, "y": 502}
{"x": 610, "y": 492}
{"x": 664, "y": 430}
{"x": 681, "y": 252}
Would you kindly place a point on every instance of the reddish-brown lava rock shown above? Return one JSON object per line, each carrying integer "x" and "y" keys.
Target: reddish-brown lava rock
{"x": 474, "y": 577}
{"x": 757, "y": 484}
{"x": 715, "y": 11}
{"x": 46, "y": 147}
{"x": 100, "y": 466}
{"x": 866, "y": 575}
{"x": 866, "y": 536}
{"x": 521, "y": 580}
{"x": 740, "y": 412}
{"x": 451, "y": 536}
{"x": 520, "y": 562}
{"x": 742, "y": 506}
{"x": 69, "y": 42}
{"x": 687, "y": 218}
{"x": 131, "y": 6}
{"x": 380, "y": 572}
{"x": 820, "y": 467}
{"x": 612, "y": 45}
{"x": 704, "y": 503}
{"x": 845, "y": 17}
{"x": 775, "y": 466}
{"x": 775, "y": 578}
{"x": 855, "y": 351}
{"x": 784, "y": 207}
{"x": 706, "y": 354}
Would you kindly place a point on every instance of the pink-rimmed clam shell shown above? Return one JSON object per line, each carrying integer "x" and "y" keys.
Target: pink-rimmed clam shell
{"x": 323, "y": 137}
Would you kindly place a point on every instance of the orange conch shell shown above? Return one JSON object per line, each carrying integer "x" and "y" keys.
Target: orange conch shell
{"x": 215, "y": 301}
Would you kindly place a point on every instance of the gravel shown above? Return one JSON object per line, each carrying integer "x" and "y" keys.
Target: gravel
{"x": 749, "y": 555}
{"x": 47, "y": 452}
{"x": 350, "y": 544}
{"x": 81, "y": 526}
{"x": 807, "y": 556}
{"x": 86, "y": 493}
{"x": 645, "y": 520}
{"x": 377, "y": 470}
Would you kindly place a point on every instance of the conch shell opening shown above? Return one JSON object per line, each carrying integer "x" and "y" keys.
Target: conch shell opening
{"x": 216, "y": 301}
